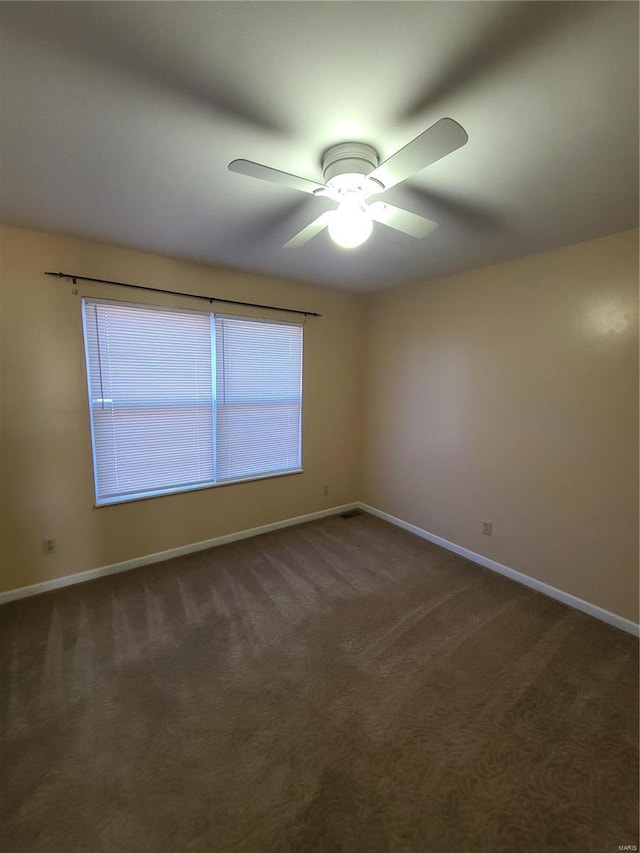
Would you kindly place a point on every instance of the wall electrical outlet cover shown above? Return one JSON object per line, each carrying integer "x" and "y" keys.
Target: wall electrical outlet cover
{"x": 487, "y": 527}
{"x": 48, "y": 546}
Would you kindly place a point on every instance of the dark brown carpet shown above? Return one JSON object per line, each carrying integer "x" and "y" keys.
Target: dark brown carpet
{"x": 338, "y": 686}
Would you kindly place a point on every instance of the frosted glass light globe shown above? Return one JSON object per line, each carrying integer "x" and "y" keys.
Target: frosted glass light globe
{"x": 350, "y": 225}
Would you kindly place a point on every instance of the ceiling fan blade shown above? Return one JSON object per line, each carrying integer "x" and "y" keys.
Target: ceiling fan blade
{"x": 401, "y": 220}
{"x": 274, "y": 176}
{"x": 309, "y": 231}
{"x": 436, "y": 142}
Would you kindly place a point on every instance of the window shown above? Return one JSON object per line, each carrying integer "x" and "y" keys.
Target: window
{"x": 182, "y": 400}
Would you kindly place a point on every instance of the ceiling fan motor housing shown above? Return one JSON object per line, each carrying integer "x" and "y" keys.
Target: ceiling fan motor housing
{"x": 348, "y": 158}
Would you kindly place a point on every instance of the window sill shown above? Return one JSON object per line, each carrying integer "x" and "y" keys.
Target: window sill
{"x": 165, "y": 493}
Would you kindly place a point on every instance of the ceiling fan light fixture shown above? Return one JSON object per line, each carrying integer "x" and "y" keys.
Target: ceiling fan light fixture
{"x": 350, "y": 225}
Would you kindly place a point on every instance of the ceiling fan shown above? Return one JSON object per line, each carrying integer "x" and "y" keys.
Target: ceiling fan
{"x": 353, "y": 176}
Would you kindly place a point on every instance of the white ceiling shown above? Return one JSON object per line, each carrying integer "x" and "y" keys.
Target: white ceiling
{"x": 118, "y": 121}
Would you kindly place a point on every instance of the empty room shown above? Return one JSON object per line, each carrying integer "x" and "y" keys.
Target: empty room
{"x": 319, "y": 418}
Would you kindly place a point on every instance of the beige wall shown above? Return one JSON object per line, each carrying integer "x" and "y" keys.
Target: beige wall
{"x": 45, "y": 453}
{"x": 507, "y": 394}
{"x": 510, "y": 394}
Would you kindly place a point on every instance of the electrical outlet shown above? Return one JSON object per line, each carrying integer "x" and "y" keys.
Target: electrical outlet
{"x": 48, "y": 546}
{"x": 325, "y": 490}
{"x": 487, "y": 528}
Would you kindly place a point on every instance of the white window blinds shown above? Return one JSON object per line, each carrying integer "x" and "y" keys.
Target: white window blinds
{"x": 181, "y": 400}
{"x": 259, "y": 391}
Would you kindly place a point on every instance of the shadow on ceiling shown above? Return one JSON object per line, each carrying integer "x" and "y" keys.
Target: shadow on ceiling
{"x": 443, "y": 208}
{"x": 523, "y": 26}
{"x": 79, "y": 32}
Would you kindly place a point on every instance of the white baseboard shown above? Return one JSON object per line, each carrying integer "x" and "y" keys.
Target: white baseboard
{"x": 145, "y": 560}
{"x": 545, "y": 588}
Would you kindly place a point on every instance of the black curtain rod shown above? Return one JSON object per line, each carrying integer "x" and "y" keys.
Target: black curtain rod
{"x": 209, "y": 299}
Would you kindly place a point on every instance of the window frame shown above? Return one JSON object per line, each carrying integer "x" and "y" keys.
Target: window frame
{"x": 183, "y": 489}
